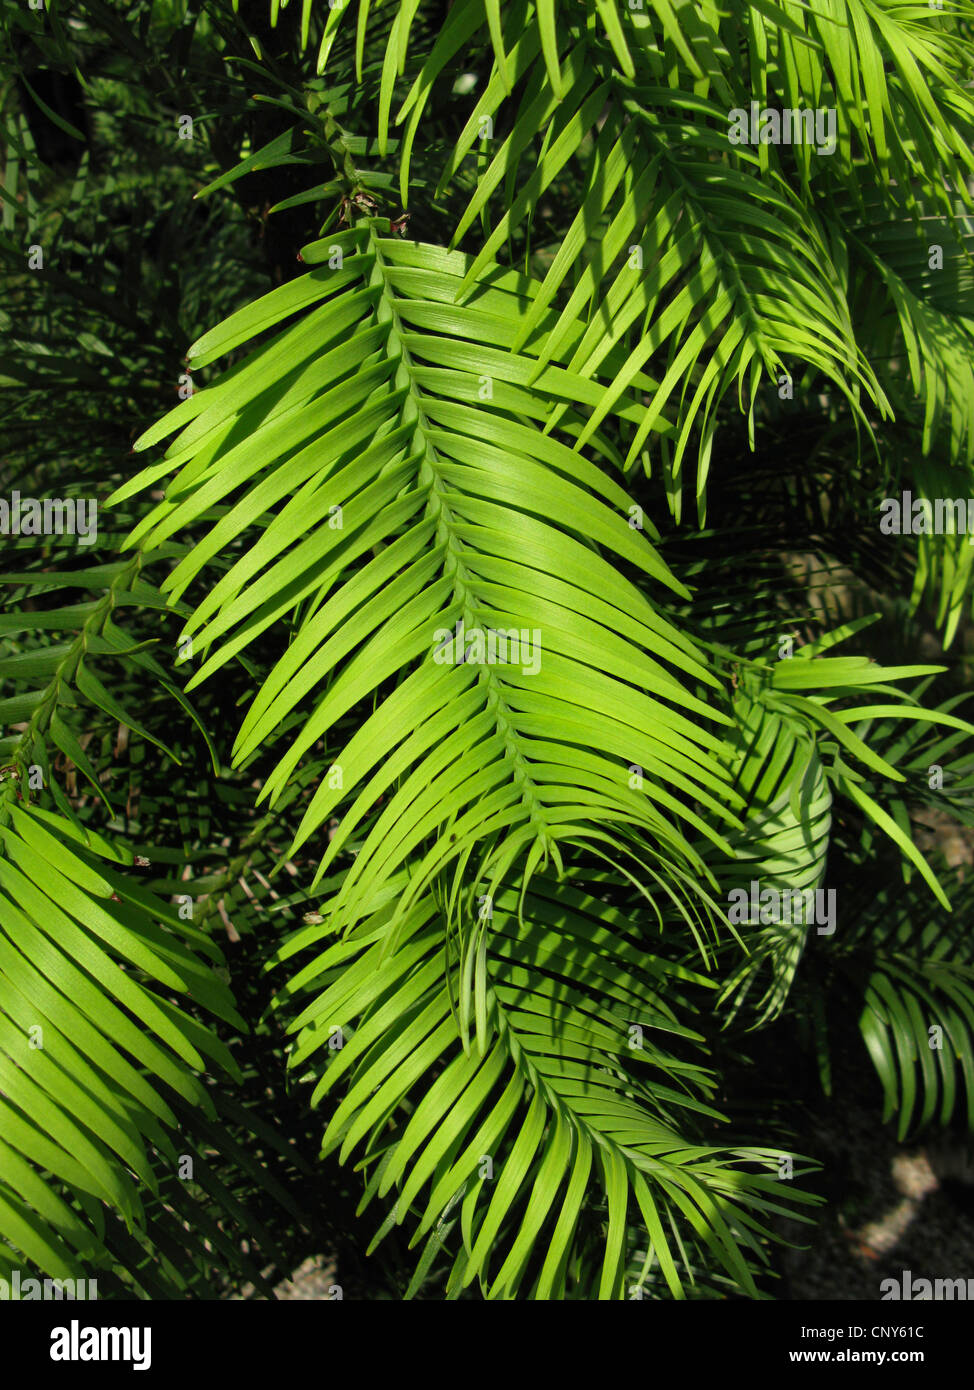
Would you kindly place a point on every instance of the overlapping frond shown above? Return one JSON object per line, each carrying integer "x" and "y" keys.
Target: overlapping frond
{"x": 579, "y": 1089}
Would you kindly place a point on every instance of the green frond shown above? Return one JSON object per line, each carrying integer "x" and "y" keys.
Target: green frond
{"x": 581, "y": 1081}
{"x": 392, "y": 425}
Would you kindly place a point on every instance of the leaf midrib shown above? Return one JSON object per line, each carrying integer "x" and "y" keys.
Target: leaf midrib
{"x": 438, "y": 509}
